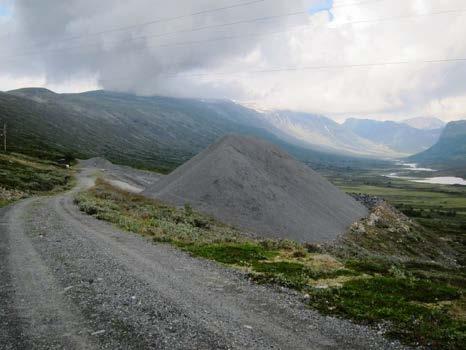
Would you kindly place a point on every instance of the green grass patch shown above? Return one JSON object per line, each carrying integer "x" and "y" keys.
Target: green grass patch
{"x": 242, "y": 254}
{"x": 401, "y": 303}
{"x": 293, "y": 274}
{"x": 371, "y": 265}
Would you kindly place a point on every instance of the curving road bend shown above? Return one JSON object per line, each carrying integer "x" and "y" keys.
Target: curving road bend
{"x": 68, "y": 281}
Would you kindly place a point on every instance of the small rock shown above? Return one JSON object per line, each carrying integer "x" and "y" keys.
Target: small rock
{"x": 247, "y": 326}
{"x": 373, "y": 219}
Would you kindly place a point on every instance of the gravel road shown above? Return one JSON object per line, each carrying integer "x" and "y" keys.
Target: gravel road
{"x": 69, "y": 281}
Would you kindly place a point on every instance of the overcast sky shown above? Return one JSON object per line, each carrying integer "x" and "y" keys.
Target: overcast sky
{"x": 237, "y": 53}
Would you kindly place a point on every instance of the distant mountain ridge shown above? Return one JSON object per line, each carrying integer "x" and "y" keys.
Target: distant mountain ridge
{"x": 425, "y": 123}
{"x": 323, "y": 133}
{"x": 397, "y": 136}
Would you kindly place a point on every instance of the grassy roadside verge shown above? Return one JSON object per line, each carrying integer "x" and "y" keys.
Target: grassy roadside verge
{"x": 412, "y": 300}
{"x": 23, "y": 176}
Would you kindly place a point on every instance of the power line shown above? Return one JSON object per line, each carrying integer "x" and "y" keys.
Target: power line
{"x": 441, "y": 12}
{"x": 294, "y": 28}
{"x": 156, "y": 21}
{"x": 200, "y": 28}
{"x": 326, "y": 67}
{"x": 171, "y": 19}
{"x": 304, "y": 68}
{"x": 232, "y": 37}
{"x": 162, "y": 20}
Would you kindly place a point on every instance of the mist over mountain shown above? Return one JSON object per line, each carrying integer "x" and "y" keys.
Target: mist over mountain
{"x": 397, "y": 136}
{"x": 425, "y": 123}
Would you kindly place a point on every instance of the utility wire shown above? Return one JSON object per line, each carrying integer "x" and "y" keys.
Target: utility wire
{"x": 401, "y": 17}
{"x": 175, "y": 18}
{"x": 233, "y": 37}
{"x": 200, "y": 28}
{"x": 156, "y": 21}
{"x": 325, "y": 67}
{"x": 196, "y": 29}
{"x": 301, "y": 26}
{"x": 304, "y": 68}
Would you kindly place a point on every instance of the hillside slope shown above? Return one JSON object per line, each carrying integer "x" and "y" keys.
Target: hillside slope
{"x": 256, "y": 186}
{"x": 152, "y": 132}
{"x": 449, "y": 152}
{"x": 399, "y": 137}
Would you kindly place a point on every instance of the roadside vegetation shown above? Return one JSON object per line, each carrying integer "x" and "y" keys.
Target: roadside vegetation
{"x": 414, "y": 295}
{"x": 22, "y": 176}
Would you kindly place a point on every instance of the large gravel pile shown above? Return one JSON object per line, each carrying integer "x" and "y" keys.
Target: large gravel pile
{"x": 255, "y": 186}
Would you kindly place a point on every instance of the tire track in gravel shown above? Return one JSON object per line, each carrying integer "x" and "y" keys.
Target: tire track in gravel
{"x": 47, "y": 318}
{"x": 11, "y": 329}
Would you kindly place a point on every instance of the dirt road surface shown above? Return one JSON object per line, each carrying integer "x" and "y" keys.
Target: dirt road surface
{"x": 69, "y": 281}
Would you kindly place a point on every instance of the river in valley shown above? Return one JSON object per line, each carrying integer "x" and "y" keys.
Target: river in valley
{"x": 412, "y": 167}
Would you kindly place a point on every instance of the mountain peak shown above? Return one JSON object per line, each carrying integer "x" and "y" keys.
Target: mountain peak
{"x": 36, "y": 94}
{"x": 32, "y": 90}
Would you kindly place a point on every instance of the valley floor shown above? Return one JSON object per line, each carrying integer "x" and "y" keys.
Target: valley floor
{"x": 72, "y": 281}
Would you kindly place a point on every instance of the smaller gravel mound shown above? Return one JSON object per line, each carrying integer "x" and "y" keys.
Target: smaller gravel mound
{"x": 97, "y": 162}
{"x": 121, "y": 176}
